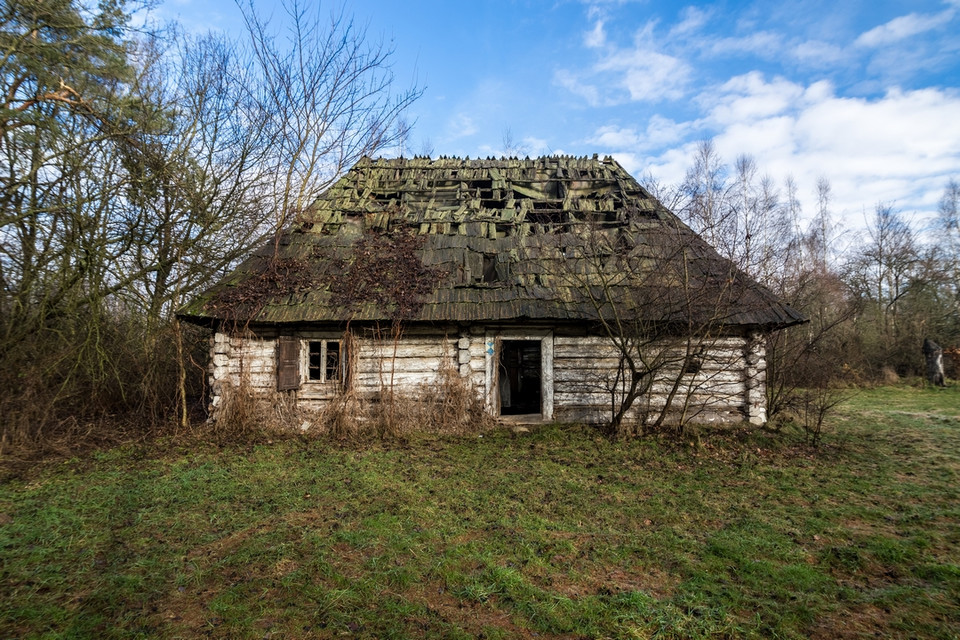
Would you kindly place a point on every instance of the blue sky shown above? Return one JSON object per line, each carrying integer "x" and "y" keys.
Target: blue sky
{"x": 866, "y": 94}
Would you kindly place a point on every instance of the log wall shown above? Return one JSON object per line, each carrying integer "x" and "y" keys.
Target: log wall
{"x": 582, "y": 380}
{"x": 588, "y": 387}
{"x": 250, "y": 359}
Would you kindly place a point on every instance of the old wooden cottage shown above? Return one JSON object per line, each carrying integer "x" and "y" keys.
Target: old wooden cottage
{"x": 555, "y": 287}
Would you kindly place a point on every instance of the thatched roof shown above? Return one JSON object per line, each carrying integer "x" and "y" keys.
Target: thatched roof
{"x": 488, "y": 240}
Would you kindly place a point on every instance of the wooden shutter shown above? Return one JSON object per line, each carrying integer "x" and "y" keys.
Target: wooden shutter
{"x": 288, "y": 363}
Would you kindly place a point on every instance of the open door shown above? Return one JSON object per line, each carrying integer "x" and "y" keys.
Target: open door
{"x": 520, "y": 377}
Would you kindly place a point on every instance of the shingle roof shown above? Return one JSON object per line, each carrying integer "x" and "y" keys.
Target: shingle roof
{"x": 451, "y": 239}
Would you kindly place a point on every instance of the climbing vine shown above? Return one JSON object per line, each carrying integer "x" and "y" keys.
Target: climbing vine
{"x": 385, "y": 268}
{"x": 279, "y": 278}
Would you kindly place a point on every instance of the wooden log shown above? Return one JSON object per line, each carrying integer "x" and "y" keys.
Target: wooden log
{"x": 407, "y": 351}
{"x": 314, "y": 391}
{"x": 252, "y": 367}
{"x": 400, "y": 379}
{"x": 584, "y": 366}
{"x": 406, "y": 365}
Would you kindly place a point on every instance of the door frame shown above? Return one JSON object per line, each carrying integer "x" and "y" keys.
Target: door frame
{"x": 492, "y": 345}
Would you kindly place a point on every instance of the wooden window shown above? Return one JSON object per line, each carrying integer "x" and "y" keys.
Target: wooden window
{"x": 333, "y": 370}
{"x": 693, "y": 363}
{"x": 324, "y": 361}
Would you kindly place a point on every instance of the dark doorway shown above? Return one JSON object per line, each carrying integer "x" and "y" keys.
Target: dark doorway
{"x": 519, "y": 377}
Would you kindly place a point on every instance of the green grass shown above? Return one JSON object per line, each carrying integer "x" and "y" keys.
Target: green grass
{"x": 558, "y": 533}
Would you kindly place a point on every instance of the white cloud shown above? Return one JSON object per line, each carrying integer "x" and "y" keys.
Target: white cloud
{"x": 902, "y": 27}
{"x": 765, "y": 44}
{"x": 887, "y": 149}
{"x": 660, "y": 132}
{"x": 818, "y": 53}
{"x": 750, "y": 96}
{"x": 611, "y": 137}
{"x": 596, "y": 37}
{"x": 880, "y": 145}
{"x": 638, "y": 73}
{"x": 536, "y": 146}
{"x": 461, "y": 126}
{"x": 636, "y": 165}
{"x": 904, "y": 133}
{"x": 485, "y": 150}
{"x": 574, "y": 84}
{"x": 647, "y": 75}
{"x": 901, "y": 147}
{"x": 528, "y": 146}
{"x": 663, "y": 131}
{"x": 644, "y": 37}
{"x": 691, "y": 20}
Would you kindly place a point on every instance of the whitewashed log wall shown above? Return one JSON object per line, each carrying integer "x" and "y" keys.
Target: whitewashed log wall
{"x": 586, "y": 381}
{"x": 251, "y": 359}
{"x": 730, "y": 386}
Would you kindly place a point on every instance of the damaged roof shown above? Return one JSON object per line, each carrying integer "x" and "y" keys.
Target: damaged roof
{"x": 460, "y": 240}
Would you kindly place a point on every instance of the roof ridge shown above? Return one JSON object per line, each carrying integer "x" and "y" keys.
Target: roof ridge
{"x": 384, "y": 160}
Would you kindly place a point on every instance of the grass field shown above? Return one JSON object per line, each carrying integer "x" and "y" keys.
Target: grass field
{"x": 554, "y": 534}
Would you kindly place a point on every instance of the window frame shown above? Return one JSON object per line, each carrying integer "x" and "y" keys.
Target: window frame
{"x": 692, "y": 365}
{"x": 305, "y": 369}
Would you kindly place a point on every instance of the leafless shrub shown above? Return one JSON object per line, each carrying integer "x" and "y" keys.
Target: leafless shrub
{"x": 888, "y": 376}
{"x": 814, "y": 406}
{"x": 808, "y": 409}
{"x": 393, "y": 414}
{"x": 452, "y": 405}
{"x": 94, "y": 381}
{"x": 447, "y": 406}
{"x": 342, "y": 418}
{"x": 246, "y": 415}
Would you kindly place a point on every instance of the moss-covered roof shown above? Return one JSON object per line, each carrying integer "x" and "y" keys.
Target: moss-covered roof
{"x": 487, "y": 240}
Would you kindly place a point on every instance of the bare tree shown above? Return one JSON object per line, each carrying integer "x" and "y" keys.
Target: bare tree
{"x": 747, "y": 215}
{"x": 949, "y": 242}
{"x": 706, "y": 192}
{"x": 670, "y": 196}
{"x": 326, "y": 97}
{"x": 820, "y": 234}
{"x": 132, "y": 173}
{"x": 197, "y": 194}
{"x": 738, "y": 212}
{"x": 741, "y": 213}
{"x": 511, "y": 146}
{"x": 659, "y": 300}
{"x": 805, "y": 363}
{"x": 883, "y": 271}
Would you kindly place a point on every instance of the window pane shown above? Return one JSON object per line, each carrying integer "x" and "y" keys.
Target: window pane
{"x": 316, "y": 361}
{"x": 333, "y": 360}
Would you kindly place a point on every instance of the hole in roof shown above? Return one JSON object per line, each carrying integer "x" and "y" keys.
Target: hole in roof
{"x": 490, "y": 274}
{"x": 546, "y": 216}
{"x": 547, "y": 205}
